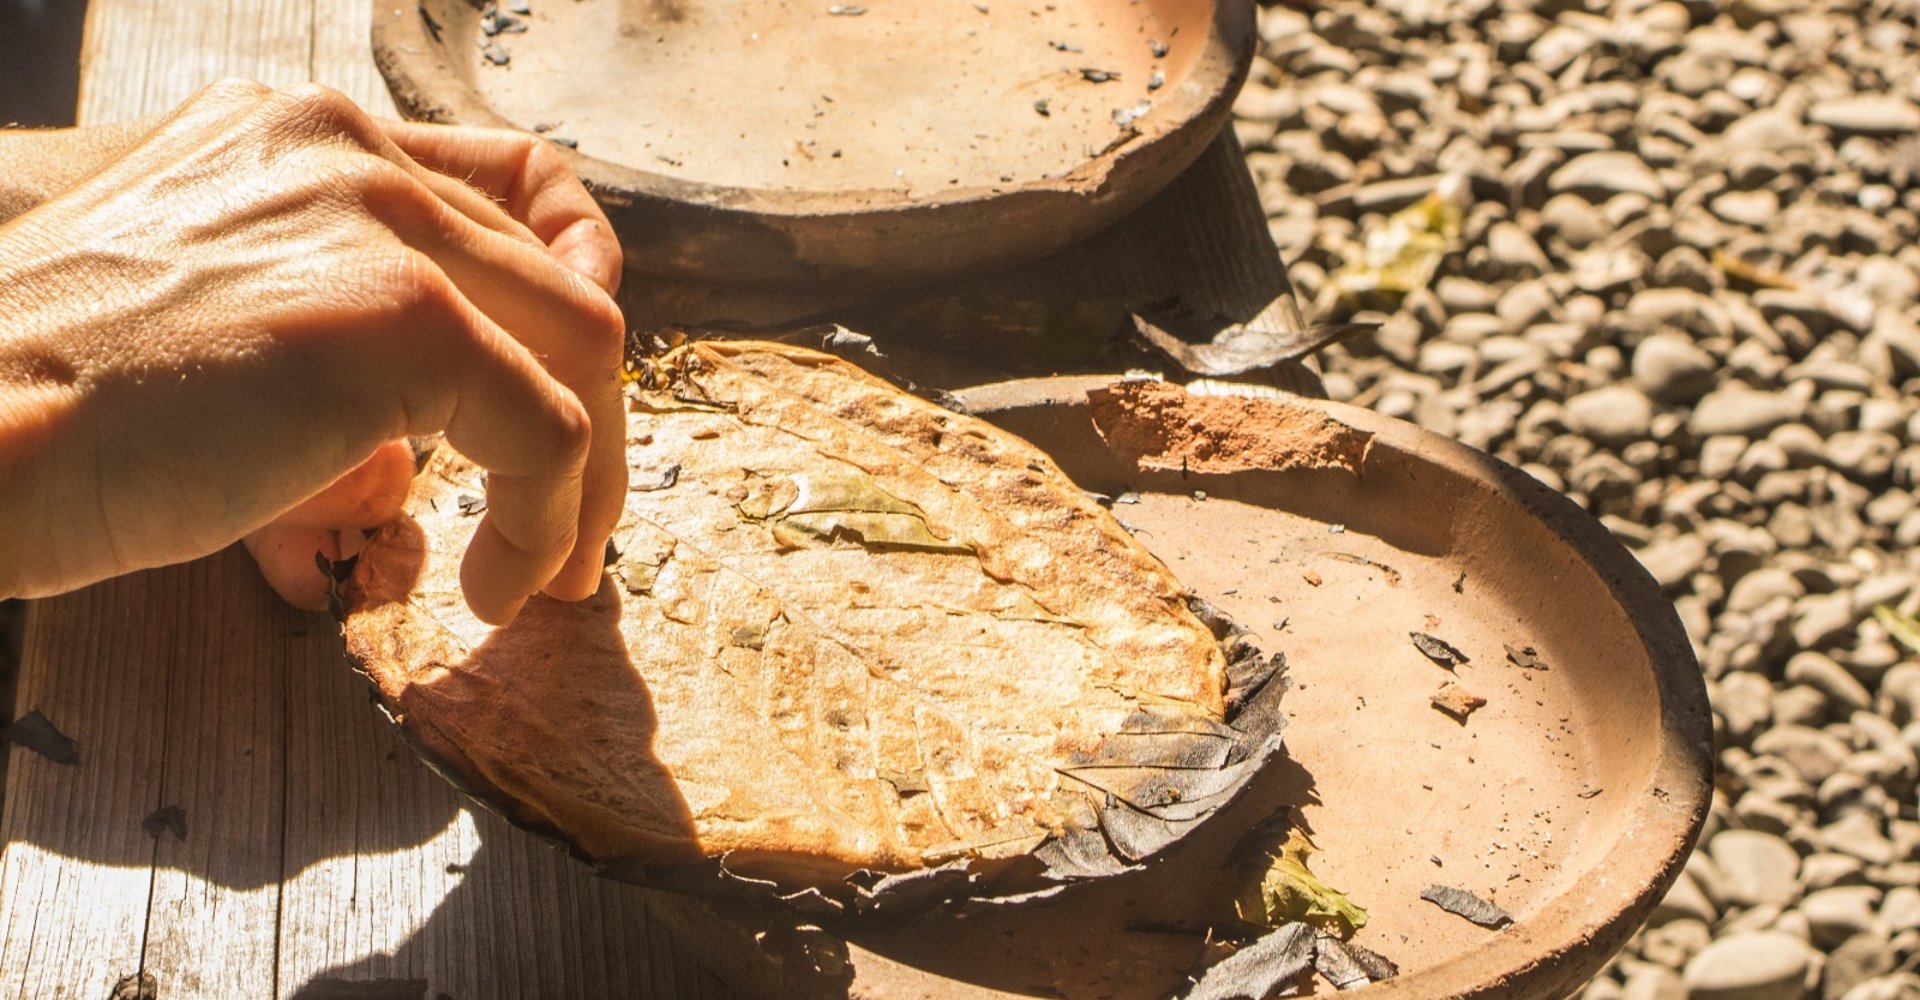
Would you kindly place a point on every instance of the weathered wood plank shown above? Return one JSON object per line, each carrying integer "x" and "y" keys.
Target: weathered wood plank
{"x": 210, "y": 923}
{"x": 77, "y": 869}
{"x": 144, "y": 57}
{"x": 343, "y": 54}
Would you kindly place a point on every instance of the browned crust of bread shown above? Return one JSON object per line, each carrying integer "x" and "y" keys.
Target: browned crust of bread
{"x": 798, "y": 698}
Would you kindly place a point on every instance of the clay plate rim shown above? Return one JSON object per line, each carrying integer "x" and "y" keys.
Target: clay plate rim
{"x": 1534, "y": 959}
{"x": 729, "y": 235}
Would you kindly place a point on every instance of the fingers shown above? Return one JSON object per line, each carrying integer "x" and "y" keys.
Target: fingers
{"x": 578, "y": 335}
{"x": 285, "y": 555}
{"x": 530, "y": 178}
{"x": 503, "y": 410}
{"x": 372, "y": 494}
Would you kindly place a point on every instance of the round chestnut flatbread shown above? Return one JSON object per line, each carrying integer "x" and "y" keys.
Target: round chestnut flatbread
{"x": 842, "y": 630}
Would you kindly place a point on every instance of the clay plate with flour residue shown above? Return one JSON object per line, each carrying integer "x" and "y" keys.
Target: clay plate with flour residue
{"x": 766, "y": 141}
{"x": 1569, "y": 799}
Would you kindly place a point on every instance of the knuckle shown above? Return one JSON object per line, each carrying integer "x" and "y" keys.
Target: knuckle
{"x": 412, "y": 285}
{"x": 605, "y": 332}
{"x": 571, "y": 432}
{"x": 232, "y": 90}
{"x": 323, "y": 109}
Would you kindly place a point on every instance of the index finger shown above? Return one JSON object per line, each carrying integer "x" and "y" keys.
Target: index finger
{"x": 530, "y": 178}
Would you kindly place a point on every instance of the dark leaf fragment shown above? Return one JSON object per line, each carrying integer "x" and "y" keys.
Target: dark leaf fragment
{"x": 1257, "y": 970}
{"x": 1238, "y": 348}
{"x": 166, "y": 819}
{"x": 1526, "y": 658}
{"x": 1438, "y": 650}
{"x": 1349, "y": 966}
{"x": 1043, "y": 108}
{"x": 1391, "y": 575}
{"x": 433, "y": 26}
{"x": 1462, "y": 903}
{"x": 668, "y": 476}
{"x": 470, "y": 504}
{"x": 35, "y": 732}
{"x": 139, "y": 986}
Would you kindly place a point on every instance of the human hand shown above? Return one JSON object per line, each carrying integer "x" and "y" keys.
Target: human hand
{"x": 267, "y": 293}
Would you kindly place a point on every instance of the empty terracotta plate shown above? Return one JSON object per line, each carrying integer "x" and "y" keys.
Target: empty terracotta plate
{"x": 1569, "y": 798}
{"x": 778, "y": 142}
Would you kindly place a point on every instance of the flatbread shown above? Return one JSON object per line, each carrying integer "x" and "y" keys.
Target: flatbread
{"x": 845, "y": 634}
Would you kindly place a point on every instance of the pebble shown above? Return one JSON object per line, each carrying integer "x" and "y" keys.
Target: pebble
{"x": 1601, "y": 175}
{"x": 1738, "y": 409}
{"x": 1683, "y": 292}
{"x": 1870, "y": 114}
{"x": 1612, "y": 415}
{"x": 1754, "y": 867}
{"x": 1818, "y": 671}
{"x": 1834, "y": 915}
{"x": 1756, "y": 965}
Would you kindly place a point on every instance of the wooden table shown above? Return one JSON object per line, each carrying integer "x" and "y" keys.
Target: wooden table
{"x": 320, "y": 859}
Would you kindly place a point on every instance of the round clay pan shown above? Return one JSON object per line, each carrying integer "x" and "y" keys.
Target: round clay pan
{"x": 773, "y": 141}
{"x": 1570, "y": 799}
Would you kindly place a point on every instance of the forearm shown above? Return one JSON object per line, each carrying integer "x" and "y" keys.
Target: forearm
{"x": 36, "y": 164}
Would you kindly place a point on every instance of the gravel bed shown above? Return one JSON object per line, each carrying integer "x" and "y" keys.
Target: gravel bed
{"x": 1683, "y": 292}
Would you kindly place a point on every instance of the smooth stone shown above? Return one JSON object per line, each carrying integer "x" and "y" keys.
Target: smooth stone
{"x": 1651, "y": 982}
{"x": 1834, "y": 915}
{"x": 1814, "y": 754}
{"x": 1826, "y": 869}
{"x": 1673, "y": 561}
{"x": 1821, "y": 619}
{"x": 1820, "y": 671}
{"x": 1744, "y": 701}
{"x": 1612, "y": 415}
{"x": 1754, "y": 965}
{"x": 1607, "y": 173}
{"x": 1754, "y": 867}
{"x": 1900, "y": 909}
{"x": 1868, "y": 114}
{"x": 1513, "y": 252}
{"x": 1684, "y": 901}
{"x": 1736, "y": 408}
{"x": 1858, "y": 834}
{"x": 1753, "y": 209}
{"x": 1576, "y": 221}
{"x": 1682, "y": 309}
{"x": 1898, "y": 699}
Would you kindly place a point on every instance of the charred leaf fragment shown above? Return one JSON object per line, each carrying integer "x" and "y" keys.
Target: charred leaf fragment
{"x": 1462, "y": 903}
{"x": 1526, "y": 658}
{"x": 1457, "y": 701}
{"x": 470, "y": 504}
{"x": 1438, "y": 650}
{"x": 139, "y": 986}
{"x": 164, "y": 820}
{"x": 668, "y": 476}
{"x": 1257, "y": 970}
{"x": 1349, "y": 966}
{"x": 35, "y": 732}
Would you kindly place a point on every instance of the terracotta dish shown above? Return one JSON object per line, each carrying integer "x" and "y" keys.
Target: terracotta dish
{"x": 771, "y": 142}
{"x": 1570, "y": 798}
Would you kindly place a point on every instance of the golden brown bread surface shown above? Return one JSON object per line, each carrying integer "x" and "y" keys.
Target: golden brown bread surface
{"x": 845, "y": 629}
